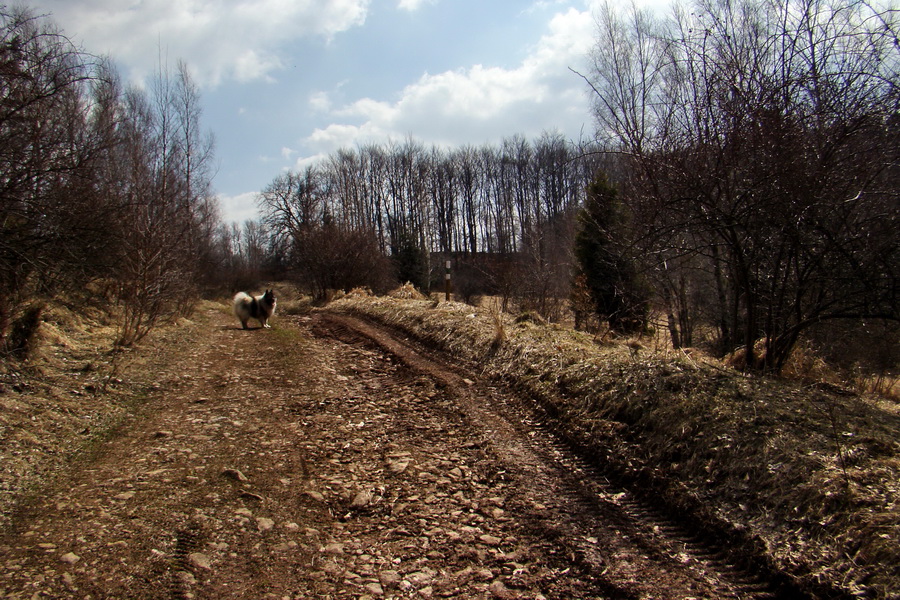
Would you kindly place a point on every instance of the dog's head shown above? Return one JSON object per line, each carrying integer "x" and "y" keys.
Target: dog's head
{"x": 269, "y": 297}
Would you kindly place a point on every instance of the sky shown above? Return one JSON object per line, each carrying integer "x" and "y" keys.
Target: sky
{"x": 284, "y": 83}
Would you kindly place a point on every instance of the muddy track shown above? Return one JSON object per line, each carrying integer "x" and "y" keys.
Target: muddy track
{"x": 635, "y": 546}
{"x": 329, "y": 458}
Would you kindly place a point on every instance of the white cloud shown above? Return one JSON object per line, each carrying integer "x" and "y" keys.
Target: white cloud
{"x": 220, "y": 40}
{"x": 479, "y": 101}
{"x": 287, "y": 153}
{"x": 238, "y": 208}
{"x": 337, "y": 136}
{"x": 320, "y": 101}
{"x": 413, "y": 5}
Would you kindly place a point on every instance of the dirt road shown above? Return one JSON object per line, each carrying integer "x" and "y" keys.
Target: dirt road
{"x": 325, "y": 458}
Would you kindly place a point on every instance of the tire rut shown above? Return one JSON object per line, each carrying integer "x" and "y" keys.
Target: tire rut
{"x": 634, "y": 546}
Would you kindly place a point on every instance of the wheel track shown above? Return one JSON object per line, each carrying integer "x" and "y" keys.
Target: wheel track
{"x": 587, "y": 500}
{"x": 187, "y": 540}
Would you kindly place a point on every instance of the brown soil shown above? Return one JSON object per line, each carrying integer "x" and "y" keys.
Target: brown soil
{"x": 797, "y": 481}
{"x": 326, "y": 458}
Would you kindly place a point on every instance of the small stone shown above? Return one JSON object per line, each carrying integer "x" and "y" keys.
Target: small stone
{"x": 315, "y": 495}
{"x": 362, "y": 500}
{"x": 264, "y": 524}
{"x": 199, "y": 560}
{"x": 389, "y": 579}
{"x": 124, "y": 496}
{"x": 398, "y": 466}
{"x": 499, "y": 590}
{"x": 186, "y": 577}
{"x": 421, "y": 577}
{"x": 375, "y": 589}
{"x": 333, "y": 548}
{"x": 70, "y": 557}
{"x": 490, "y": 540}
{"x": 234, "y": 474}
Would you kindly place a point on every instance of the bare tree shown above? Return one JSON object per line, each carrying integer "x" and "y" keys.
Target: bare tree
{"x": 511, "y": 201}
{"x": 47, "y": 152}
{"x": 196, "y": 150}
{"x": 168, "y": 219}
{"x": 761, "y": 137}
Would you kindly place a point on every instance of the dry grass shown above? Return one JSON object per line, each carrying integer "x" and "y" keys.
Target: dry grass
{"x": 360, "y": 291}
{"x": 809, "y": 472}
{"x": 885, "y": 385}
{"x": 407, "y": 291}
{"x": 71, "y": 392}
{"x": 499, "y": 326}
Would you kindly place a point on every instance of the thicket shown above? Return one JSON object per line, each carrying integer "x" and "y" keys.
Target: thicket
{"x": 754, "y": 148}
{"x": 104, "y": 189}
{"x": 760, "y": 142}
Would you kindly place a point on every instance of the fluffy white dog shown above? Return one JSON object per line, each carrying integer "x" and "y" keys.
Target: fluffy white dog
{"x": 248, "y": 307}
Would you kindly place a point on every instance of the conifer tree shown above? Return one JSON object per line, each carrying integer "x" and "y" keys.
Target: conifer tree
{"x": 610, "y": 275}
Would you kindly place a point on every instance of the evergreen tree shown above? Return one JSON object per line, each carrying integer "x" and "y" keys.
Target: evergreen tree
{"x": 610, "y": 275}
{"x": 410, "y": 261}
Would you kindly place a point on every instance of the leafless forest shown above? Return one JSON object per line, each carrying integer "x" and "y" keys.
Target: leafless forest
{"x": 740, "y": 192}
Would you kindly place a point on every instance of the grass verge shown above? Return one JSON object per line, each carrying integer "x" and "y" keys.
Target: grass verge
{"x": 807, "y": 475}
{"x": 72, "y": 394}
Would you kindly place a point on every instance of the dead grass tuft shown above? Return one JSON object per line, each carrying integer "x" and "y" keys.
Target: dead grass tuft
{"x": 809, "y": 470}
{"x": 499, "y": 326}
{"x": 364, "y": 292}
{"x": 407, "y": 291}
{"x": 885, "y": 385}
{"x": 807, "y": 366}
{"x": 530, "y": 316}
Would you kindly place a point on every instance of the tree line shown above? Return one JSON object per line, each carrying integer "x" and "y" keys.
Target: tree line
{"x": 391, "y": 212}
{"x": 743, "y": 183}
{"x": 104, "y": 188}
